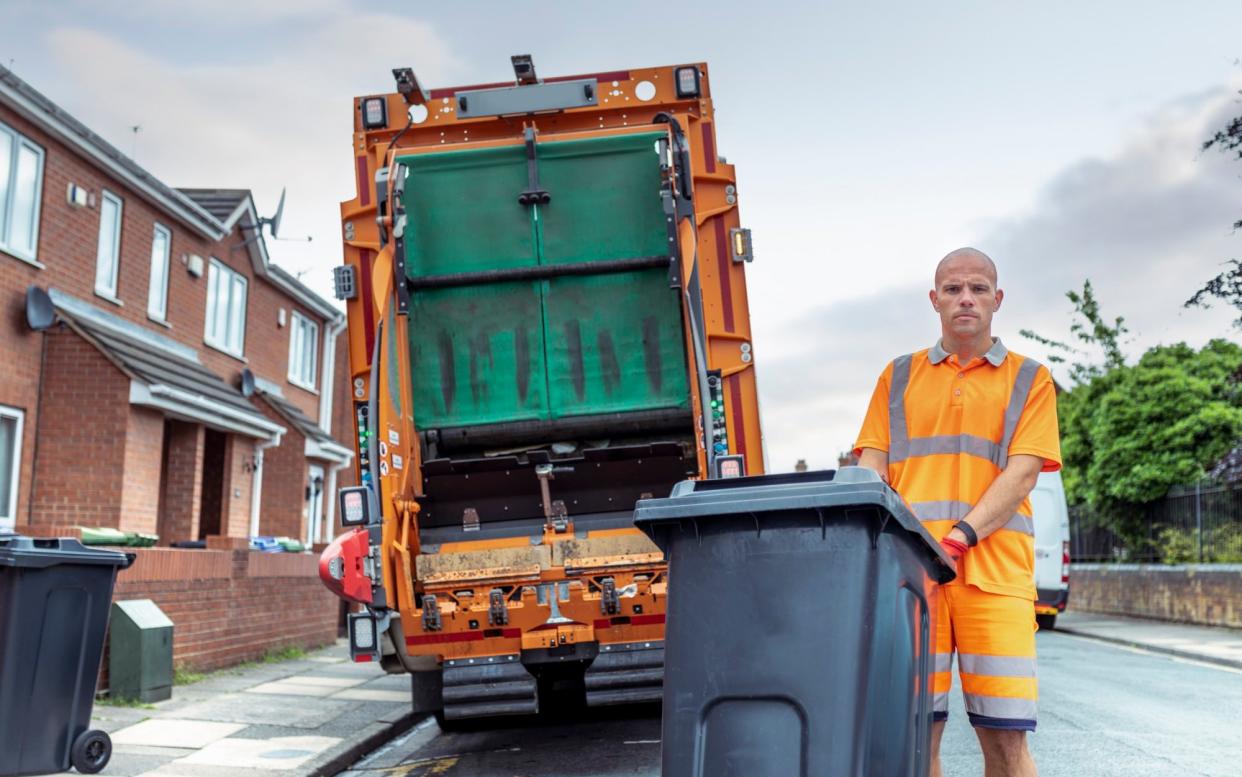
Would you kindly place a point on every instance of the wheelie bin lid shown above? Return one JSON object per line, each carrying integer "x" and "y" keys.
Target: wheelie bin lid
{"x": 41, "y": 552}
{"x": 700, "y": 500}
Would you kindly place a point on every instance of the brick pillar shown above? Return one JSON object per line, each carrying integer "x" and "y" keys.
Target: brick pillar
{"x": 183, "y": 482}
{"x": 238, "y": 479}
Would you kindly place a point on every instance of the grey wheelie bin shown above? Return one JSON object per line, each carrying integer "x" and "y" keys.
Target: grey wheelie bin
{"x": 55, "y": 595}
{"x": 798, "y": 635}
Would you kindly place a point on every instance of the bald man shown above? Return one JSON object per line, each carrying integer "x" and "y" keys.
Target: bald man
{"x": 962, "y": 430}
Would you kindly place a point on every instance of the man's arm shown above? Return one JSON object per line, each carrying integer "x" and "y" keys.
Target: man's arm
{"x": 871, "y": 458}
{"x": 1003, "y": 497}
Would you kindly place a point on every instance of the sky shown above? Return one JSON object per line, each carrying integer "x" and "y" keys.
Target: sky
{"x": 1062, "y": 138}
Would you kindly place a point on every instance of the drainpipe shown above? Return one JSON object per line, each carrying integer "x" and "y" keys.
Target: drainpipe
{"x": 256, "y": 485}
{"x": 329, "y": 520}
{"x": 327, "y": 372}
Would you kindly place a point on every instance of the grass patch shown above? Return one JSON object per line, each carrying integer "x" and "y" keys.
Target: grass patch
{"x": 110, "y": 701}
{"x": 183, "y": 676}
{"x": 287, "y": 653}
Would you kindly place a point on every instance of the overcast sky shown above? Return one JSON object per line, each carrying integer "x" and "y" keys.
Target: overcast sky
{"x": 870, "y": 139}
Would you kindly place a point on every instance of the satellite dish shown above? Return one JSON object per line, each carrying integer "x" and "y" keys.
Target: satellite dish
{"x": 280, "y": 211}
{"x": 247, "y": 382}
{"x": 40, "y": 312}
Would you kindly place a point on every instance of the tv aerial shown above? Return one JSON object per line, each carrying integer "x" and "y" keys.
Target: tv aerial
{"x": 273, "y": 222}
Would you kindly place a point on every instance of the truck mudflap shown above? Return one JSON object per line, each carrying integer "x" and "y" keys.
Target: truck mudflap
{"x": 628, "y": 673}
{"x": 487, "y": 687}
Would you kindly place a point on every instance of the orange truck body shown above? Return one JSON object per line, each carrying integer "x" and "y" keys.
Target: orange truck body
{"x": 492, "y": 615}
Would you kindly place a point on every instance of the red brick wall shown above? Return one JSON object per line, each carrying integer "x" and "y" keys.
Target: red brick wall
{"x": 66, "y": 247}
{"x": 183, "y": 483}
{"x": 83, "y": 426}
{"x": 144, "y": 453}
{"x": 238, "y": 467}
{"x": 229, "y": 606}
{"x": 284, "y": 484}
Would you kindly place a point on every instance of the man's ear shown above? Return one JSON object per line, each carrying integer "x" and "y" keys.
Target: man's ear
{"x": 1000, "y": 295}
{"x": 935, "y": 300}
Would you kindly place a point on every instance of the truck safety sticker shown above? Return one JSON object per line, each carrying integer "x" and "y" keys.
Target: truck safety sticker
{"x": 397, "y": 462}
{"x": 383, "y": 449}
{"x": 394, "y": 437}
{"x": 383, "y": 467}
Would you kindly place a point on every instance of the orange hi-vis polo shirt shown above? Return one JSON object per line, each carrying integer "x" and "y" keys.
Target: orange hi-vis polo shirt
{"x": 949, "y": 430}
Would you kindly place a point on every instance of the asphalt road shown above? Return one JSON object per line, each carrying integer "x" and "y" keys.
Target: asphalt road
{"x": 1104, "y": 711}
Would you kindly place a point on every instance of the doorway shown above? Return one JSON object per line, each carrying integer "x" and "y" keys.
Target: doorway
{"x": 314, "y": 503}
{"x": 212, "y": 503}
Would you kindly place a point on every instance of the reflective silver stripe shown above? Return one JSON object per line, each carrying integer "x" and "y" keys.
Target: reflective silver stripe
{"x": 898, "y": 432}
{"x": 947, "y": 510}
{"x": 1000, "y": 706}
{"x": 944, "y": 662}
{"x": 1017, "y": 401}
{"x": 971, "y": 445}
{"x": 940, "y": 702}
{"x": 1021, "y": 523}
{"x": 996, "y": 666}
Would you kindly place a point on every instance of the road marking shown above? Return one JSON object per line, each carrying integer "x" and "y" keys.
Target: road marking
{"x": 398, "y": 742}
{"x": 641, "y": 742}
{"x": 1156, "y": 653}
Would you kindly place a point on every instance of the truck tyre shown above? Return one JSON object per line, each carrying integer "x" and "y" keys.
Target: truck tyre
{"x": 1046, "y": 622}
{"x": 91, "y": 751}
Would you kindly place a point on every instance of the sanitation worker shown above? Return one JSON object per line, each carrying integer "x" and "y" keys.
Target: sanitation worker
{"x": 961, "y": 430}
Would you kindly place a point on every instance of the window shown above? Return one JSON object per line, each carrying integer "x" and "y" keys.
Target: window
{"x": 21, "y": 187}
{"x": 10, "y": 464}
{"x": 226, "y": 309}
{"x": 108, "y": 257}
{"x": 303, "y": 341}
{"x": 157, "y": 294}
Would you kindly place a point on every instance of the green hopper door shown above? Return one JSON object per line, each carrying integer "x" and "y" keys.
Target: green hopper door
{"x": 544, "y": 349}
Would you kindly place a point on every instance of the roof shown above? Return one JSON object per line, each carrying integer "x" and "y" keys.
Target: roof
{"x": 28, "y": 101}
{"x": 218, "y": 202}
{"x": 295, "y": 417}
{"x": 211, "y": 212}
{"x": 165, "y": 378}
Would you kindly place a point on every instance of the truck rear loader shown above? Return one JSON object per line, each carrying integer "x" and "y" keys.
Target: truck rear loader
{"x": 547, "y": 321}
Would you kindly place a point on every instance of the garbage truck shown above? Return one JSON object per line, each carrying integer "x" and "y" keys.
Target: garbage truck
{"x": 545, "y": 283}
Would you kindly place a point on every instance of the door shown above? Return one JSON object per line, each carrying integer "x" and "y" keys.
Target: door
{"x": 314, "y": 503}
{"x": 1051, "y": 519}
{"x": 512, "y": 349}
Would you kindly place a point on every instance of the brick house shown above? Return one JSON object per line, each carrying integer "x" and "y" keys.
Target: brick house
{"x": 186, "y": 385}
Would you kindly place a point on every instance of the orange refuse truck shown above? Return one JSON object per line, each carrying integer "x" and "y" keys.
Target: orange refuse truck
{"x": 545, "y": 282}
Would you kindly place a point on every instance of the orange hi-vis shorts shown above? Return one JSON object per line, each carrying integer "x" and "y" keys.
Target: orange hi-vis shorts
{"x": 993, "y": 636}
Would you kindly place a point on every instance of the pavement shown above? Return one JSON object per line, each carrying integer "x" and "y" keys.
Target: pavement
{"x": 1200, "y": 643}
{"x": 1117, "y": 695}
{"x": 313, "y": 715}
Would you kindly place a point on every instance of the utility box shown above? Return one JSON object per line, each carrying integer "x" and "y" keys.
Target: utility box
{"x": 140, "y": 664}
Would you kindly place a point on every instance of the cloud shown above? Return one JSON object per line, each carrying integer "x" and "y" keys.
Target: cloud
{"x": 1147, "y": 224}
{"x": 279, "y": 117}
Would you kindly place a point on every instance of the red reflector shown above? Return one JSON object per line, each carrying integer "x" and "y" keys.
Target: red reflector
{"x": 363, "y": 658}
{"x": 1065, "y": 561}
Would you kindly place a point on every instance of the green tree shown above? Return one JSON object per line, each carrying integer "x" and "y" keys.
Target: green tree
{"x": 1227, "y": 286}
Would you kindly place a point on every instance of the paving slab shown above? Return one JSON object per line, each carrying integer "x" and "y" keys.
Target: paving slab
{"x": 1213, "y": 644}
{"x": 164, "y": 732}
{"x": 269, "y": 754}
{"x": 373, "y": 694}
{"x": 260, "y": 709}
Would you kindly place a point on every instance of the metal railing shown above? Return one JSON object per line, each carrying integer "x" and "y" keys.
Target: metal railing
{"x": 1199, "y": 523}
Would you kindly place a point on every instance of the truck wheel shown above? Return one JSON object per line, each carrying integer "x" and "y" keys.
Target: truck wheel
{"x": 1046, "y": 622}
{"x": 91, "y": 751}
{"x": 451, "y": 726}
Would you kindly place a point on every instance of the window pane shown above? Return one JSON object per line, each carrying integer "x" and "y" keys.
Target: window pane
{"x": 308, "y": 358}
{"x": 24, "y": 224}
{"x": 237, "y": 305}
{"x": 295, "y": 349}
{"x": 105, "y": 265}
{"x": 6, "y": 167}
{"x": 157, "y": 295}
{"x": 8, "y": 452}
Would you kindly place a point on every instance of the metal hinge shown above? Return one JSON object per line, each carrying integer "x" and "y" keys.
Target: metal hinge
{"x": 497, "y": 612}
{"x": 431, "y": 613}
{"x": 609, "y": 601}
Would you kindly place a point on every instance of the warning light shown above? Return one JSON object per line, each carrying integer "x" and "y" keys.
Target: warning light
{"x": 731, "y": 466}
{"x": 687, "y": 81}
{"x": 357, "y": 505}
{"x": 374, "y": 113}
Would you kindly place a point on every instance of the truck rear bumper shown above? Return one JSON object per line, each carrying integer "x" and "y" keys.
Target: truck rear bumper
{"x": 1050, "y": 601}
{"x": 630, "y": 673}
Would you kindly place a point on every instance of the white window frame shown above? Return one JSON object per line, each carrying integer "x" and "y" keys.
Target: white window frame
{"x": 230, "y": 336}
{"x": 300, "y": 325}
{"x": 157, "y": 296}
{"x": 8, "y": 513}
{"x": 15, "y": 142}
{"x": 106, "y": 284}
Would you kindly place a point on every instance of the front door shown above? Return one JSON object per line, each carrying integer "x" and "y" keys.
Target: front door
{"x": 314, "y": 503}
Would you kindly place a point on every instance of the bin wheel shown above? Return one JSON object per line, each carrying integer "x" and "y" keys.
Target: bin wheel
{"x": 1046, "y": 622}
{"x": 91, "y": 751}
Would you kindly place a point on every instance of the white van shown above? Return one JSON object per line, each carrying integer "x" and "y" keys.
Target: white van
{"x": 1052, "y": 559}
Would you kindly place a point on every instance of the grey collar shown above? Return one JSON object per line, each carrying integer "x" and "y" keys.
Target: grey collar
{"x": 995, "y": 355}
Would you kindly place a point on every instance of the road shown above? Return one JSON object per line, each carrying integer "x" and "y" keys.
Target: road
{"x": 1104, "y": 710}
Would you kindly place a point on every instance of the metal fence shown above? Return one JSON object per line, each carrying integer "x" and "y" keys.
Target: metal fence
{"x": 1200, "y": 523}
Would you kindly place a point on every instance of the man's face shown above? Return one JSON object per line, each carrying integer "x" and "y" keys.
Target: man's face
{"x": 966, "y": 297}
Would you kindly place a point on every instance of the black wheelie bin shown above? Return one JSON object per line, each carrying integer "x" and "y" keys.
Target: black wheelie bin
{"x": 799, "y": 627}
{"x": 55, "y": 596}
